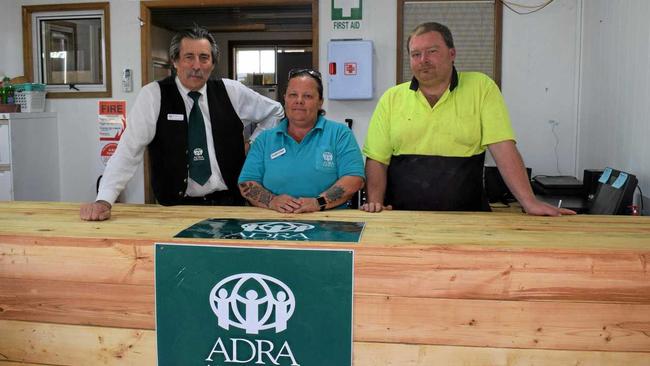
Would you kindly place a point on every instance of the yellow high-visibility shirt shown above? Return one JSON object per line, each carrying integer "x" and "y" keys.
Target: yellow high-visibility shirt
{"x": 469, "y": 116}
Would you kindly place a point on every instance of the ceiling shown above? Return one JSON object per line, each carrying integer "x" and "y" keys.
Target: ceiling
{"x": 286, "y": 18}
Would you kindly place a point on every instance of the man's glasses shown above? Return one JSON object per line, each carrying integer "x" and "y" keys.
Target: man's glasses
{"x": 313, "y": 73}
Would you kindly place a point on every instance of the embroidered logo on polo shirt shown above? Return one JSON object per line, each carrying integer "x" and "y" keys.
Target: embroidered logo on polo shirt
{"x": 328, "y": 159}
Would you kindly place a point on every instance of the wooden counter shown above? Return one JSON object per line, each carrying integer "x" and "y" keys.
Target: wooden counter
{"x": 430, "y": 288}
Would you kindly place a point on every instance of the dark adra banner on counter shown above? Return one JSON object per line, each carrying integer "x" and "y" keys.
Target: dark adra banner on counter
{"x": 303, "y": 230}
{"x": 222, "y": 306}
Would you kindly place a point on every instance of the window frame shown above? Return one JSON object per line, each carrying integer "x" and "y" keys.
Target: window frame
{"x": 31, "y": 46}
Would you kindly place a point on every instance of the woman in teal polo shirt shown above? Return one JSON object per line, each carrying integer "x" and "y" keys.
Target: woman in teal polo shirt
{"x": 307, "y": 163}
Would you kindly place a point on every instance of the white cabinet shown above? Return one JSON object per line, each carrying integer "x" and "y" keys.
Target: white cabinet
{"x": 29, "y": 157}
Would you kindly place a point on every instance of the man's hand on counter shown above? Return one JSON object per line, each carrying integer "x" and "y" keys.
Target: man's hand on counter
{"x": 374, "y": 207}
{"x": 95, "y": 211}
{"x": 539, "y": 208}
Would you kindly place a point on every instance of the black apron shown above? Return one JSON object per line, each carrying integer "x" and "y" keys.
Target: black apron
{"x": 436, "y": 183}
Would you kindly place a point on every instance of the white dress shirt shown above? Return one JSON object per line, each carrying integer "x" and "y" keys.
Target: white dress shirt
{"x": 141, "y": 129}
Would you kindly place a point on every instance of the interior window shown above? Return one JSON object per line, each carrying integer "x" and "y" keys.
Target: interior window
{"x": 69, "y": 49}
{"x": 71, "y": 52}
{"x": 255, "y": 66}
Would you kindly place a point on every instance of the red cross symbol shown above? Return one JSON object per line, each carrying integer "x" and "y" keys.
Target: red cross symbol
{"x": 350, "y": 68}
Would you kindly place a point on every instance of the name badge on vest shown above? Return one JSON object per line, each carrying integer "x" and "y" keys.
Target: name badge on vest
{"x": 175, "y": 117}
{"x": 278, "y": 153}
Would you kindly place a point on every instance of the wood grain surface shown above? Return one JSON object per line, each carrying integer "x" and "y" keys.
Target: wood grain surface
{"x": 388, "y": 229}
{"x": 49, "y": 344}
{"x": 412, "y": 320}
{"x": 466, "y": 288}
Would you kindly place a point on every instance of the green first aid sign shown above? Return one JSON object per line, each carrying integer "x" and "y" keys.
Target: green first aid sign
{"x": 220, "y": 306}
{"x": 347, "y": 10}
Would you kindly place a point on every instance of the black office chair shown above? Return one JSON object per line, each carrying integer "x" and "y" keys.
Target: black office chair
{"x": 614, "y": 193}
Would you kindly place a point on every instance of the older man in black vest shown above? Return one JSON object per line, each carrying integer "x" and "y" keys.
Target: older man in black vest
{"x": 193, "y": 126}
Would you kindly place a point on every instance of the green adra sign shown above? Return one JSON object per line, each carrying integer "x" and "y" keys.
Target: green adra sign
{"x": 221, "y": 306}
{"x": 347, "y": 9}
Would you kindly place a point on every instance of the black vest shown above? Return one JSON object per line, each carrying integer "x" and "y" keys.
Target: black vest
{"x": 168, "y": 149}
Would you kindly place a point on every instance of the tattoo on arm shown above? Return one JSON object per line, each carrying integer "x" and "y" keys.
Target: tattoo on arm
{"x": 265, "y": 197}
{"x": 245, "y": 188}
{"x": 256, "y": 193}
{"x": 334, "y": 193}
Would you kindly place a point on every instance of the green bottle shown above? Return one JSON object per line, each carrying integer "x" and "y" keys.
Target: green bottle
{"x": 3, "y": 98}
{"x": 9, "y": 91}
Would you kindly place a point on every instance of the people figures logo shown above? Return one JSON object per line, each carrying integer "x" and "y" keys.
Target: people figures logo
{"x": 276, "y": 298}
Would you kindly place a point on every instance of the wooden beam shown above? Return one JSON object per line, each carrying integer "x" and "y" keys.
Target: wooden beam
{"x": 505, "y": 231}
{"x": 55, "y": 344}
{"x": 393, "y": 319}
{"x": 516, "y": 324}
{"x": 436, "y": 272}
{"x": 379, "y": 354}
{"x": 218, "y": 3}
{"x": 52, "y": 344}
{"x": 66, "y": 302}
{"x": 259, "y": 27}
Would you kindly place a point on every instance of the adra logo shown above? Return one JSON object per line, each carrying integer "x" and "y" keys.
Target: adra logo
{"x": 252, "y": 302}
{"x": 277, "y": 227}
{"x": 276, "y": 297}
{"x": 275, "y": 230}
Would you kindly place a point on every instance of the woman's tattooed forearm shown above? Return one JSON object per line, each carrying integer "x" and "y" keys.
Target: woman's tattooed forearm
{"x": 265, "y": 198}
{"x": 334, "y": 193}
{"x": 256, "y": 193}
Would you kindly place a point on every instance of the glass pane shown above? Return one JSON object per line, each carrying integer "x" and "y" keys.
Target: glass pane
{"x": 267, "y": 66}
{"x": 255, "y": 66}
{"x": 72, "y": 51}
{"x": 267, "y": 61}
{"x": 248, "y": 62}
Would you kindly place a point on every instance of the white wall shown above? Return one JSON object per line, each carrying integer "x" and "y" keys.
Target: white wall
{"x": 539, "y": 81}
{"x": 11, "y": 41}
{"x": 379, "y": 25}
{"x": 78, "y": 127}
{"x": 615, "y": 89}
{"x": 540, "y": 64}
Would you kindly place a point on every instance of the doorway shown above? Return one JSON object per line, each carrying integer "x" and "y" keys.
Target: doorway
{"x": 232, "y": 22}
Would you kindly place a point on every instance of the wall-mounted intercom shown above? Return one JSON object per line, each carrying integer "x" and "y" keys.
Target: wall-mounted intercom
{"x": 127, "y": 80}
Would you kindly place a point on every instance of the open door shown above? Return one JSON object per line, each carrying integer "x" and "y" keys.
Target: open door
{"x": 152, "y": 65}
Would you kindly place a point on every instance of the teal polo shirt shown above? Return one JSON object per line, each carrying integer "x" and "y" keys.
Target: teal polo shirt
{"x": 306, "y": 169}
